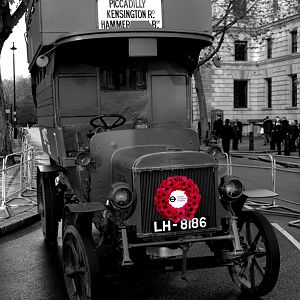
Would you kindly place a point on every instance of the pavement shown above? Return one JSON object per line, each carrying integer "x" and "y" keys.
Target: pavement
{"x": 260, "y": 150}
{"x": 23, "y": 211}
{"x": 257, "y": 147}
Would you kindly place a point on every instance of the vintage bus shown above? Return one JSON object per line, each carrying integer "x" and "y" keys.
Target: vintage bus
{"x": 112, "y": 84}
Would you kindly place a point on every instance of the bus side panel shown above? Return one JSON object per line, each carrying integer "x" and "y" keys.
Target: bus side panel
{"x": 67, "y": 16}
{"x": 34, "y": 32}
{"x": 45, "y": 109}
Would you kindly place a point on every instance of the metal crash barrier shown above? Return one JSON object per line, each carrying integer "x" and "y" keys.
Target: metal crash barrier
{"x": 285, "y": 166}
{"x": 257, "y": 172}
{"x": 271, "y": 172}
{"x": 17, "y": 178}
{"x": 224, "y": 165}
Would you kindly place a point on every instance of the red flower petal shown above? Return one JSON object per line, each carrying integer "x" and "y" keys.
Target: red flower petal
{"x": 189, "y": 216}
{"x": 175, "y": 219}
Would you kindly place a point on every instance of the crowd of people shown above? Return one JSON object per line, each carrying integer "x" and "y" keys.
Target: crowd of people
{"x": 278, "y": 133}
{"x": 227, "y": 131}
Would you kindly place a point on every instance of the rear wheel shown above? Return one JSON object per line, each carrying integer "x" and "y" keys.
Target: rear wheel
{"x": 47, "y": 205}
{"x": 80, "y": 264}
{"x": 257, "y": 271}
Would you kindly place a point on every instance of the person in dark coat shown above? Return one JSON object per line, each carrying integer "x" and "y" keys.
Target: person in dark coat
{"x": 240, "y": 129}
{"x": 235, "y": 136}
{"x": 294, "y": 135}
{"x": 285, "y": 125}
{"x": 277, "y": 135}
{"x": 227, "y": 134}
{"x": 199, "y": 131}
{"x": 286, "y": 128}
{"x": 267, "y": 126}
{"x": 218, "y": 126}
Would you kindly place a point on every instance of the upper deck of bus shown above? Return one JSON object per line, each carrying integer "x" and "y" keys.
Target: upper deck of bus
{"x": 55, "y": 22}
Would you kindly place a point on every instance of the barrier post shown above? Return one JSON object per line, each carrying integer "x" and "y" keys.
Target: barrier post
{"x": 3, "y": 182}
{"x": 273, "y": 172}
{"x": 287, "y": 149}
{"x": 272, "y": 143}
{"x": 3, "y": 203}
{"x": 229, "y": 164}
{"x": 251, "y": 138}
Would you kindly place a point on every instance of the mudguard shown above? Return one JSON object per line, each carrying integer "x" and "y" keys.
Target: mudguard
{"x": 85, "y": 207}
{"x": 260, "y": 193}
{"x": 50, "y": 169}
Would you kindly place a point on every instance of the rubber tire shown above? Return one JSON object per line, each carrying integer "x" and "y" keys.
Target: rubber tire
{"x": 272, "y": 254}
{"x": 90, "y": 259}
{"x": 47, "y": 200}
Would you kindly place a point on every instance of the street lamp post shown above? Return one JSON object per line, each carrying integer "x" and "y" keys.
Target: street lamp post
{"x": 13, "y": 48}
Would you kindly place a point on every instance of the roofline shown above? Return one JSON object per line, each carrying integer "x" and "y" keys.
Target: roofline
{"x": 136, "y": 33}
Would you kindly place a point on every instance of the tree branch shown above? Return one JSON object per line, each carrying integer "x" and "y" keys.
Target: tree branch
{"x": 226, "y": 14}
{"x": 19, "y": 12}
{"x": 236, "y": 20}
{"x": 222, "y": 31}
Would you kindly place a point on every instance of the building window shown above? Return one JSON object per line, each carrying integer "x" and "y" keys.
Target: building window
{"x": 294, "y": 41}
{"x": 240, "y": 93}
{"x": 269, "y": 92}
{"x": 294, "y": 84}
{"x": 269, "y": 47}
{"x": 240, "y": 51}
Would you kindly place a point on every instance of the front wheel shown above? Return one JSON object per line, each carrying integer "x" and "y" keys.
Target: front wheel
{"x": 256, "y": 272}
{"x": 80, "y": 264}
{"x": 47, "y": 206}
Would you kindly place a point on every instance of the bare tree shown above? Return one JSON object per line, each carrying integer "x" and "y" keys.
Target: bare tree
{"x": 25, "y": 106}
{"x": 8, "y": 20}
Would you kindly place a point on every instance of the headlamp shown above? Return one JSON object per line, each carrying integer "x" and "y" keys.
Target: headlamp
{"x": 83, "y": 159}
{"x": 215, "y": 151}
{"x": 231, "y": 188}
{"x": 121, "y": 195}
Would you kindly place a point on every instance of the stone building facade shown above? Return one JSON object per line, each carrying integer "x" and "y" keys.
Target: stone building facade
{"x": 258, "y": 77}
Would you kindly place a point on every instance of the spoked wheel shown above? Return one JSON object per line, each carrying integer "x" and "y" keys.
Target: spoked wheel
{"x": 257, "y": 271}
{"x": 47, "y": 206}
{"x": 80, "y": 264}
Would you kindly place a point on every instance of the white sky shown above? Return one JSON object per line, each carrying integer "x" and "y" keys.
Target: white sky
{"x": 21, "y": 65}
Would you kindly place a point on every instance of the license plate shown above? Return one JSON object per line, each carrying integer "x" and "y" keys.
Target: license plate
{"x": 169, "y": 226}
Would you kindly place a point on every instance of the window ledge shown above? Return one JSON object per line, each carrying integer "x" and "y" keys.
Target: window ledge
{"x": 242, "y": 108}
{"x": 292, "y": 107}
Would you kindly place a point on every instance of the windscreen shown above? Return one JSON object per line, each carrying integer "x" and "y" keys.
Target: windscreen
{"x": 125, "y": 91}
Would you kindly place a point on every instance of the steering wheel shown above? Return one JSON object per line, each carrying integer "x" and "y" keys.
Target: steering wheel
{"x": 106, "y": 126}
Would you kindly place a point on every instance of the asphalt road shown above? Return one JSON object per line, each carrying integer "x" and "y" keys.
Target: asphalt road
{"x": 30, "y": 270}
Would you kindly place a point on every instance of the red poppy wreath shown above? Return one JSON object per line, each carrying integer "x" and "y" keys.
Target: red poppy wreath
{"x": 176, "y": 198}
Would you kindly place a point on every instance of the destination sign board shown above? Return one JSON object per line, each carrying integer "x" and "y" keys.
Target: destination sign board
{"x": 119, "y": 14}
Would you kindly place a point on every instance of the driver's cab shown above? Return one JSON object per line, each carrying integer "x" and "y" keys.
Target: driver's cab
{"x": 98, "y": 94}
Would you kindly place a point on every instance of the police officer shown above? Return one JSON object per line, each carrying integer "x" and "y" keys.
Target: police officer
{"x": 218, "y": 126}
{"x": 294, "y": 135}
{"x": 227, "y": 134}
{"x": 277, "y": 134}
